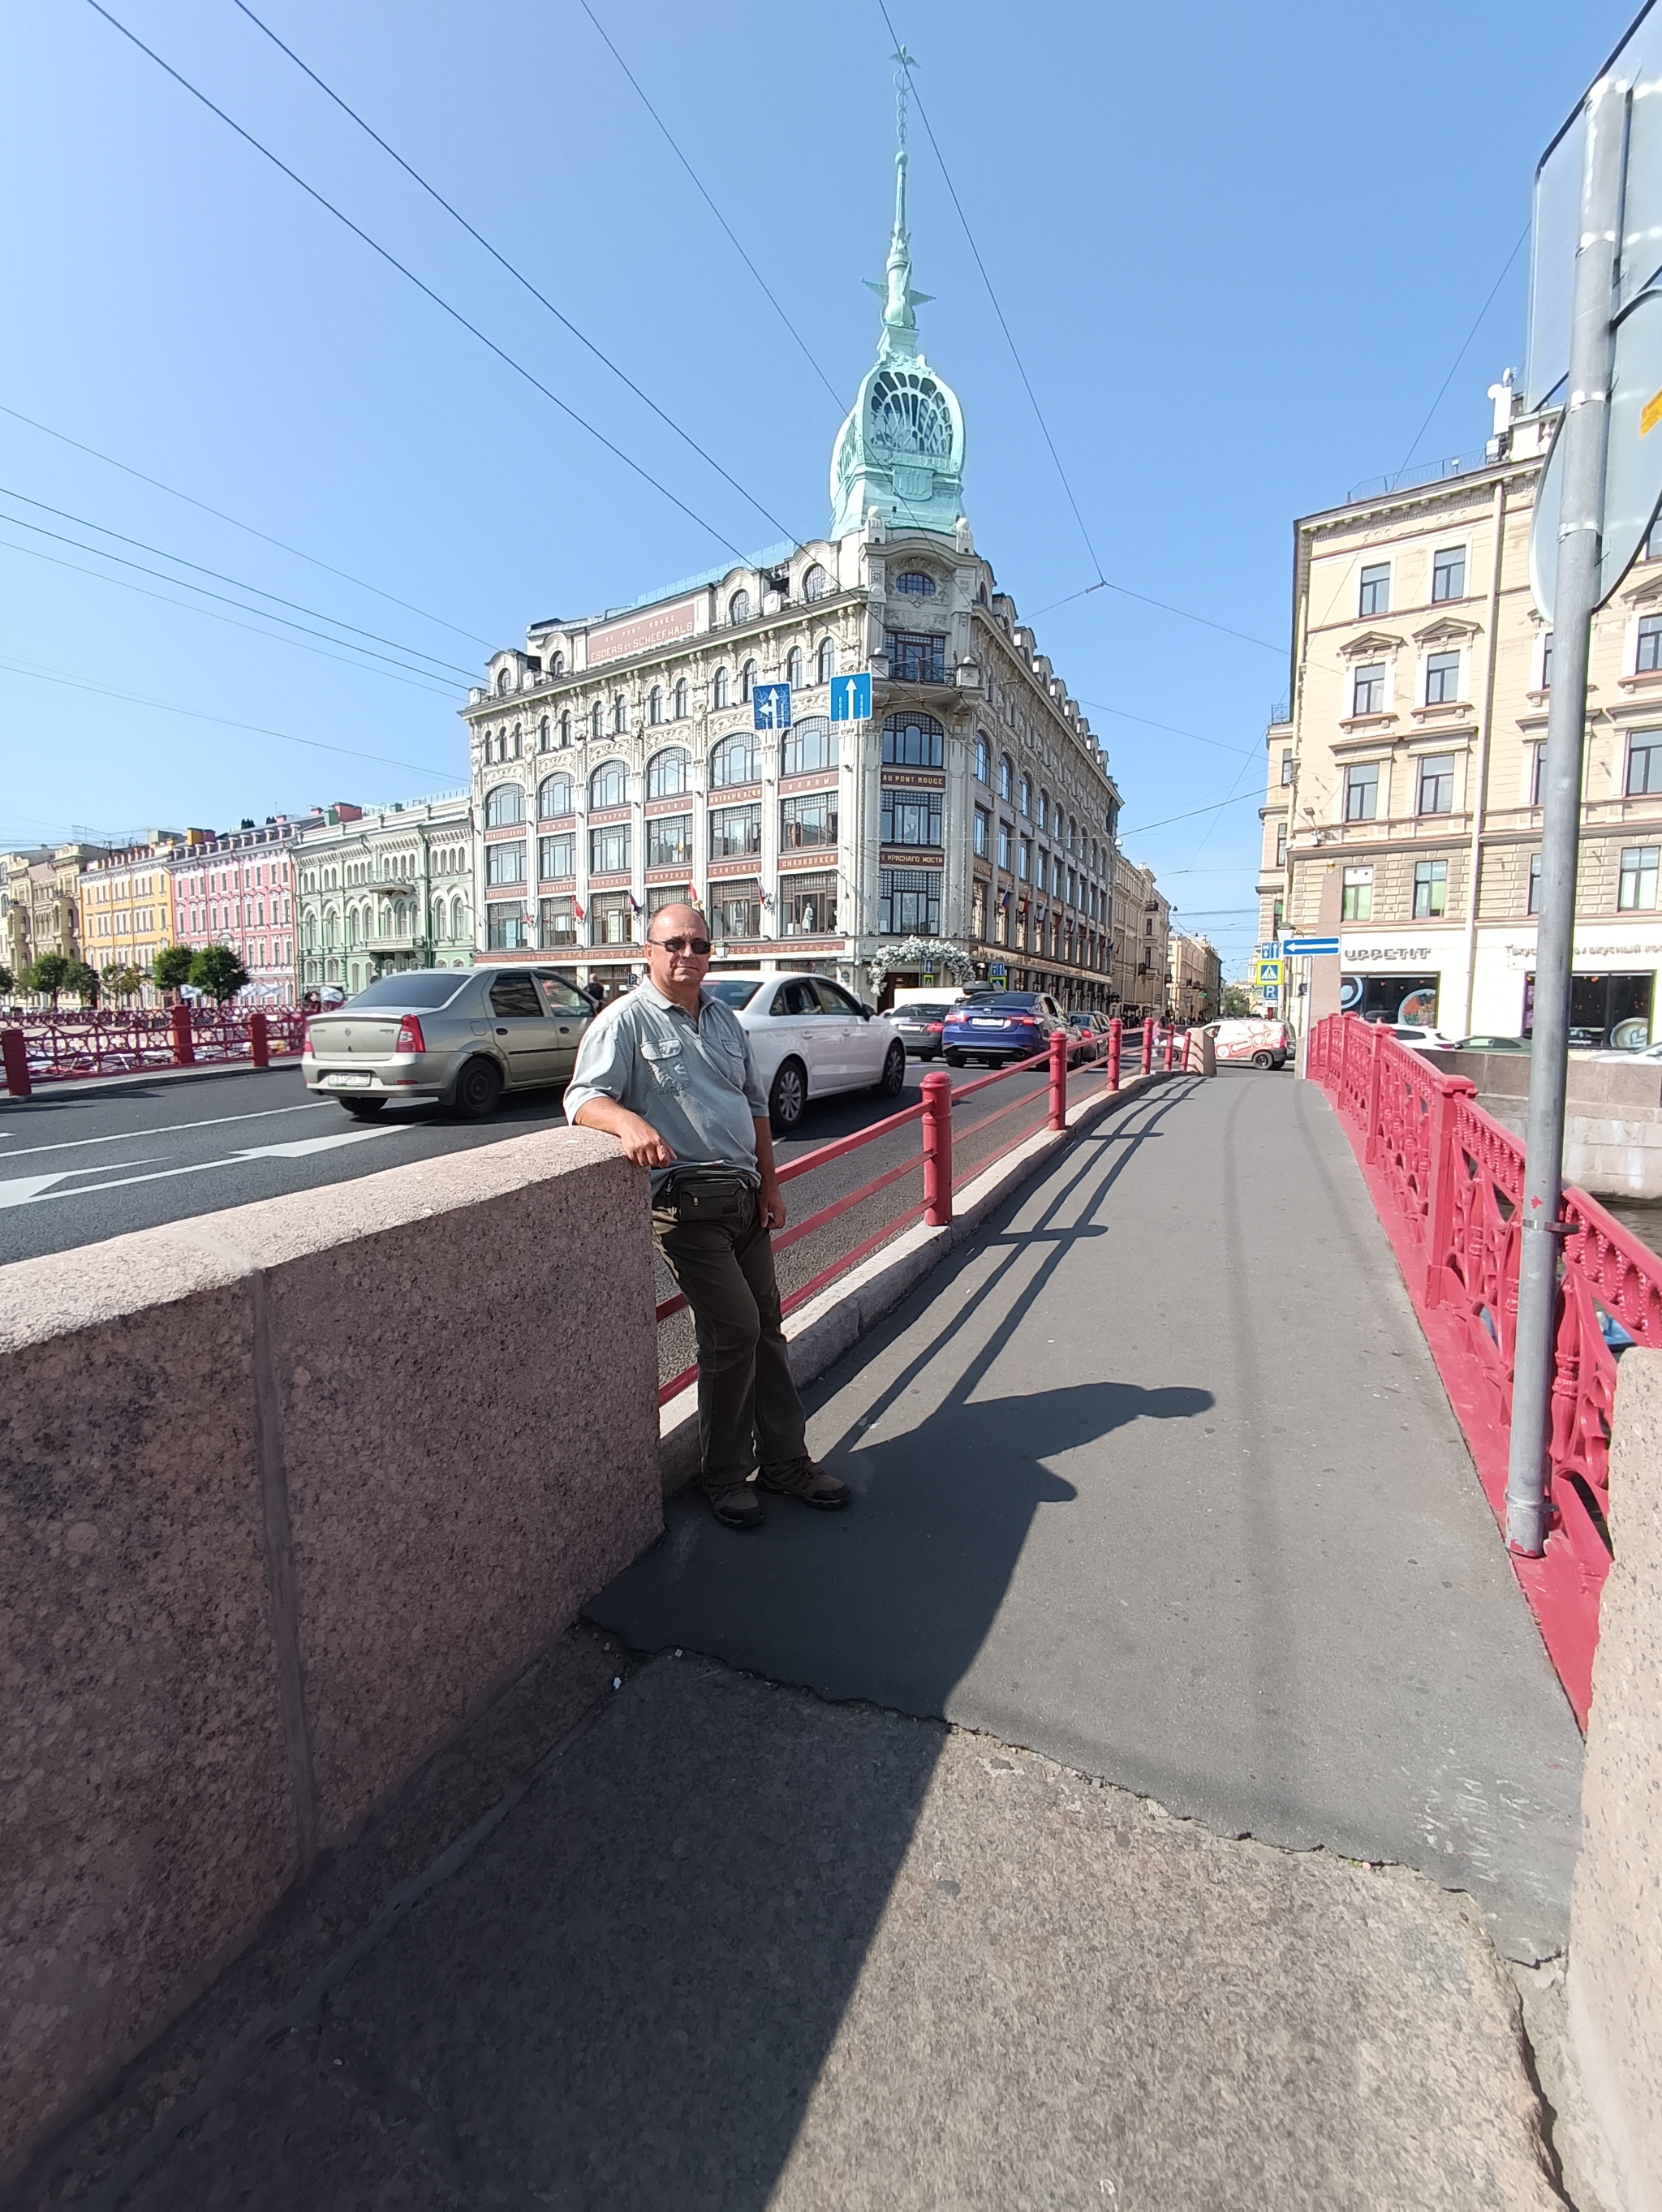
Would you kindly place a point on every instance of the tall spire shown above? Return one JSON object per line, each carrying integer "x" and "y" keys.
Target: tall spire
{"x": 898, "y": 337}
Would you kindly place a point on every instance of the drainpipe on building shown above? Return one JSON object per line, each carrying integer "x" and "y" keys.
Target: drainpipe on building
{"x": 1480, "y": 802}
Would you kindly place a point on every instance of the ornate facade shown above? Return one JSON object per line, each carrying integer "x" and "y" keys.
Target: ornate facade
{"x": 385, "y": 889}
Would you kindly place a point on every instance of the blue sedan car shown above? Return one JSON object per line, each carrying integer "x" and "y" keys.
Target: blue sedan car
{"x": 1013, "y": 1026}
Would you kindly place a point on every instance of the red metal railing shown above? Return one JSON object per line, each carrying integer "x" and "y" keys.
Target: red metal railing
{"x": 52, "y": 1047}
{"x": 1061, "y": 1056}
{"x": 1447, "y": 1179}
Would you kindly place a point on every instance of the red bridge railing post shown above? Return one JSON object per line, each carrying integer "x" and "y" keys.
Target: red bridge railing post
{"x": 259, "y": 1041}
{"x": 1058, "y": 1079}
{"x": 1371, "y": 1127}
{"x": 1170, "y": 1044}
{"x": 1149, "y": 1045}
{"x": 938, "y": 1150}
{"x": 15, "y": 1053}
{"x": 1445, "y": 1169}
{"x": 1116, "y": 1042}
{"x": 184, "y": 1049}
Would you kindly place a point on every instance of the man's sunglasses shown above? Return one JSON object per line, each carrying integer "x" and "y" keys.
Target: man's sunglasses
{"x": 698, "y": 945}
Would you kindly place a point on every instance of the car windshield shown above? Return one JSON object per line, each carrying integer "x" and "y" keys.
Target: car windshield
{"x": 733, "y": 990}
{"x": 924, "y": 1009}
{"x": 420, "y": 992}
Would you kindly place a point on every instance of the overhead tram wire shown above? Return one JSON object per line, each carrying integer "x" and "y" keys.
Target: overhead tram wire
{"x": 1166, "y": 821}
{"x": 517, "y": 274}
{"x": 218, "y": 575}
{"x": 1184, "y": 614}
{"x": 220, "y": 515}
{"x": 410, "y": 276}
{"x": 1465, "y": 346}
{"x": 699, "y": 185}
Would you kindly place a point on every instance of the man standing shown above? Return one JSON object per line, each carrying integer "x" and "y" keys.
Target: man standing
{"x": 667, "y": 1071}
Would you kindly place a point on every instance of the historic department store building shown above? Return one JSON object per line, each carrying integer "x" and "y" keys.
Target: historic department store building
{"x": 616, "y": 766}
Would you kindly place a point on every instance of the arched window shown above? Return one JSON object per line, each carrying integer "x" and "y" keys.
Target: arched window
{"x": 557, "y": 667}
{"x": 794, "y": 668}
{"x": 1044, "y": 810}
{"x": 1025, "y": 803}
{"x": 738, "y": 607}
{"x": 1073, "y": 835}
{"x": 732, "y": 761}
{"x": 813, "y": 583}
{"x": 609, "y": 785}
{"x": 542, "y": 735}
{"x": 680, "y": 698}
{"x": 912, "y": 740}
{"x": 502, "y": 683}
{"x": 1006, "y": 775}
{"x": 721, "y": 693}
{"x": 458, "y": 920}
{"x": 620, "y": 715}
{"x": 655, "y": 704}
{"x": 983, "y": 759}
{"x": 504, "y": 806}
{"x": 669, "y": 773}
{"x": 519, "y": 747}
{"x": 810, "y": 743}
{"x": 827, "y": 661}
{"x": 915, "y": 584}
{"x": 553, "y": 796}
{"x": 566, "y": 729}
{"x": 596, "y": 720}
{"x": 746, "y": 681}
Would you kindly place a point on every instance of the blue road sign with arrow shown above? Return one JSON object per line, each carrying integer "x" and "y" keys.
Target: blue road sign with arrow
{"x": 771, "y": 706}
{"x": 851, "y": 698}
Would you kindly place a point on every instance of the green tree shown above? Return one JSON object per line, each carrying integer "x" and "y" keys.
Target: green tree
{"x": 217, "y": 973}
{"x": 172, "y": 967}
{"x": 1236, "y": 1003}
{"x": 83, "y": 982}
{"x": 121, "y": 981}
{"x": 6, "y": 981}
{"x": 49, "y": 975}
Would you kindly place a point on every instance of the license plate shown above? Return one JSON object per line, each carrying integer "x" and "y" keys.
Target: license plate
{"x": 344, "y": 1082}
{"x": 977, "y": 1022}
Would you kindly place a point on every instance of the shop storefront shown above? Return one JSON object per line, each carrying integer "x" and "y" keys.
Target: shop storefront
{"x": 1613, "y": 998}
{"x": 1396, "y": 979}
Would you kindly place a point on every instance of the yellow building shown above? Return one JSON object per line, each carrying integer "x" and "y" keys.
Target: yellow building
{"x": 1194, "y": 979}
{"x": 1141, "y": 951}
{"x": 42, "y": 902}
{"x": 127, "y": 909}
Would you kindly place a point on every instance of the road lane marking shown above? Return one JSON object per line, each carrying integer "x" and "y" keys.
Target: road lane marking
{"x": 18, "y": 1190}
{"x": 38, "y": 1197}
{"x": 302, "y": 1147}
{"x": 168, "y": 1129}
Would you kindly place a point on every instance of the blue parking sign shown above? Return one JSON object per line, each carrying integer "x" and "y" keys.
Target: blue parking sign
{"x": 851, "y": 698}
{"x": 771, "y": 706}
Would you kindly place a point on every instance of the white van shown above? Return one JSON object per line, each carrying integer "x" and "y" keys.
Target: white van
{"x": 1261, "y": 1041}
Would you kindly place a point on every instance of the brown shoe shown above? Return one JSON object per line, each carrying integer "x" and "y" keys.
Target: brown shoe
{"x": 806, "y": 1479}
{"x": 734, "y": 1505}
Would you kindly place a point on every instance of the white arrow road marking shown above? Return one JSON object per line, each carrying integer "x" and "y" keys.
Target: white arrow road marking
{"x": 37, "y": 1193}
{"x": 303, "y": 1145}
{"x": 166, "y": 1129}
{"x": 18, "y": 1190}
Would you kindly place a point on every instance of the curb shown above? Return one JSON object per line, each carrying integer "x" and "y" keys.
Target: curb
{"x": 133, "y": 1078}
{"x": 818, "y": 1334}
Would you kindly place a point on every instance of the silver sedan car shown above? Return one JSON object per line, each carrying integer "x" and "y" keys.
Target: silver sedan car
{"x": 462, "y": 1037}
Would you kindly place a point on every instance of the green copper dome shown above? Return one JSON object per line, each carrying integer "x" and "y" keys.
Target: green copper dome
{"x": 901, "y": 450}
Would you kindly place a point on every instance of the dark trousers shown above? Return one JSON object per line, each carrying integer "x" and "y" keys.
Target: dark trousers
{"x": 748, "y": 1407}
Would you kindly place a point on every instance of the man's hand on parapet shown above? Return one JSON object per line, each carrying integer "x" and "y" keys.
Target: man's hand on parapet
{"x": 641, "y": 1142}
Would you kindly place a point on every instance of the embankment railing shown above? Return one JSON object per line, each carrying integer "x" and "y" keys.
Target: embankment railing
{"x": 1448, "y": 1180}
{"x": 52, "y": 1047}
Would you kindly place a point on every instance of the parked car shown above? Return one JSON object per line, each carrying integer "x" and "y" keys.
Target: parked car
{"x": 1093, "y": 1042}
{"x": 1257, "y": 1041}
{"x": 919, "y": 1022}
{"x": 461, "y": 1036}
{"x": 808, "y": 1037}
{"x": 1010, "y": 1025}
{"x": 1417, "y": 1036}
{"x": 1491, "y": 1044}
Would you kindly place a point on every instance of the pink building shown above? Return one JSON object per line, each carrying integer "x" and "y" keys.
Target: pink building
{"x": 237, "y": 888}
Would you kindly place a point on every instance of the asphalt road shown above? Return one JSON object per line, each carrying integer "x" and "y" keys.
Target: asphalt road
{"x": 90, "y": 1164}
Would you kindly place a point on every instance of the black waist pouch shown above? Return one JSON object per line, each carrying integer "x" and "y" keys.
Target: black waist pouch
{"x": 708, "y": 1197}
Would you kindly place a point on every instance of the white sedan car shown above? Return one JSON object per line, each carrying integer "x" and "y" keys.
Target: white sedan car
{"x": 809, "y": 1036}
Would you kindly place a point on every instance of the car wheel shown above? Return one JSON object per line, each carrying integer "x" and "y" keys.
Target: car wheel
{"x": 1263, "y": 1060}
{"x": 954, "y": 1059}
{"x": 788, "y": 1097}
{"x": 363, "y": 1110}
{"x": 893, "y": 1081}
{"x": 478, "y": 1090}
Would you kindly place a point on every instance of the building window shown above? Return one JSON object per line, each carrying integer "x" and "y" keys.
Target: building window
{"x": 735, "y": 909}
{"x": 608, "y": 849}
{"x": 1448, "y": 573}
{"x": 1045, "y": 811}
{"x": 1537, "y": 762}
{"x": 611, "y": 918}
{"x": 1534, "y": 906}
{"x": 1644, "y": 763}
{"x": 668, "y": 774}
{"x": 794, "y": 668}
{"x": 669, "y": 840}
{"x": 1287, "y": 767}
{"x": 501, "y": 683}
{"x": 912, "y": 741}
{"x": 810, "y": 747}
{"x": 738, "y": 607}
{"x": 1650, "y": 645}
{"x": 1637, "y": 888}
{"x": 807, "y": 905}
{"x": 983, "y": 759}
{"x": 1430, "y": 890}
{"x": 1005, "y": 835}
{"x": 543, "y": 738}
{"x": 827, "y": 661}
{"x": 505, "y": 864}
{"x": 557, "y": 922}
{"x": 1442, "y": 679}
{"x": 1356, "y": 896}
{"x": 807, "y": 822}
{"x": 556, "y": 857}
{"x": 1546, "y": 662}
{"x": 733, "y": 761}
{"x": 813, "y": 583}
{"x": 735, "y": 832}
{"x": 1281, "y": 846}
{"x": 504, "y": 806}
{"x": 1375, "y": 597}
{"x": 1362, "y": 791}
{"x": 912, "y": 817}
{"x": 909, "y": 900}
{"x": 916, "y": 656}
{"x": 1368, "y": 689}
{"x": 504, "y": 928}
{"x": 655, "y": 704}
{"x": 1436, "y": 794}
{"x": 680, "y": 698}
{"x": 553, "y": 798}
{"x": 557, "y": 667}
{"x": 1025, "y": 796}
{"x": 983, "y": 833}
{"x": 746, "y": 681}
{"x": 597, "y": 721}
{"x": 1006, "y": 777}
{"x": 1025, "y": 861}
{"x": 915, "y": 584}
{"x": 722, "y": 692}
{"x": 658, "y": 895}
{"x": 608, "y": 786}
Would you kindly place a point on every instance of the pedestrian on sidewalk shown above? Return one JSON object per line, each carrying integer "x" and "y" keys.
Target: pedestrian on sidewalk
{"x": 667, "y": 1069}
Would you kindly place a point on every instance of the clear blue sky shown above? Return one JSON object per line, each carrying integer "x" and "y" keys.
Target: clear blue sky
{"x": 1239, "y": 255}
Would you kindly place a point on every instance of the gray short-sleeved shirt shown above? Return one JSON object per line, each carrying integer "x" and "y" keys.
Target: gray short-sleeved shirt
{"x": 695, "y": 1081}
